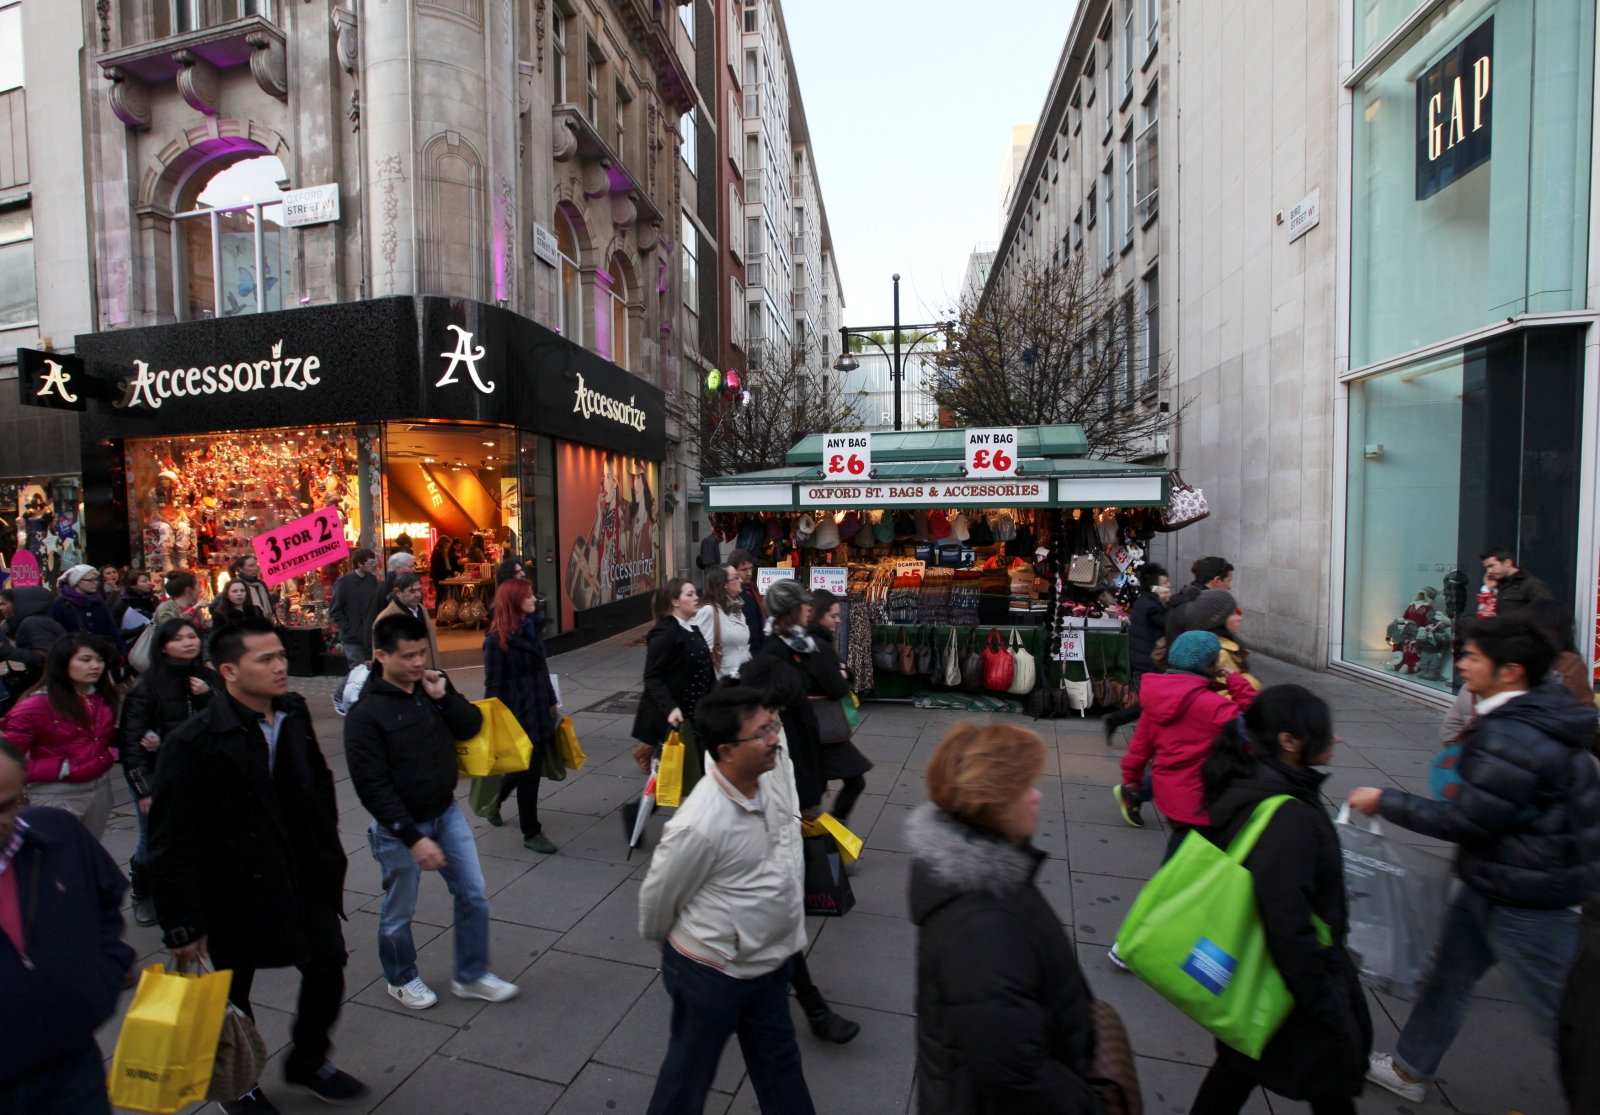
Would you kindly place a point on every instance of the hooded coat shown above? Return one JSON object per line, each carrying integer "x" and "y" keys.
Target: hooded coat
{"x": 77, "y": 612}
{"x": 1182, "y": 715}
{"x": 519, "y": 675}
{"x": 31, "y": 629}
{"x": 1526, "y": 813}
{"x": 1003, "y": 1023}
{"x": 1321, "y": 1050}
{"x": 1147, "y": 624}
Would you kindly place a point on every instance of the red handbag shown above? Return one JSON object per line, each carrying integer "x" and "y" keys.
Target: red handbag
{"x": 998, "y": 665}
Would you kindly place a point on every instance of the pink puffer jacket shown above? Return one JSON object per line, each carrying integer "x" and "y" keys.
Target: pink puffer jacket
{"x": 46, "y": 738}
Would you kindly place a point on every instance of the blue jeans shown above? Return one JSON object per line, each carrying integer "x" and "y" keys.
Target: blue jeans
{"x": 707, "y": 1006}
{"x": 401, "y": 876}
{"x": 1533, "y": 947}
{"x": 74, "y": 1085}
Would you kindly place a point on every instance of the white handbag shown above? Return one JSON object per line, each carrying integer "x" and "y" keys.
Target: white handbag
{"x": 1186, "y": 504}
{"x": 1080, "y": 694}
{"x": 142, "y": 652}
{"x": 952, "y": 662}
{"x": 1026, "y": 672}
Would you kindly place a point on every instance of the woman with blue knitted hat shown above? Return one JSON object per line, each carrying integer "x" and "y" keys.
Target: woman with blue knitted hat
{"x": 1184, "y": 709}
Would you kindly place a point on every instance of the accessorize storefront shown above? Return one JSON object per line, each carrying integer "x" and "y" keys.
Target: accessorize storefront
{"x": 423, "y": 420}
{"x": 1466, "y": 418}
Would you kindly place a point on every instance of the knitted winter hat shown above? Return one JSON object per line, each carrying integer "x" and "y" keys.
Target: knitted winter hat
{"x": 77, "y": 573}
{"x": 784, "y": 596}
{"x": 1211, "y": 609}
{"x": 1194, "y": 652}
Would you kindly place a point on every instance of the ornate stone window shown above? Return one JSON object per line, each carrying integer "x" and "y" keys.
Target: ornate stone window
{"x": 229, "y": 246}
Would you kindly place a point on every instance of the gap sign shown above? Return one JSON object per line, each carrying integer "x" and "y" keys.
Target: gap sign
{"x": 1455, "y": 112}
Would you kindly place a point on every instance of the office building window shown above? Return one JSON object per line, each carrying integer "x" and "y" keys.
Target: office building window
{"x": 686, "y": 17}
{"x": 1108, "y": 199}
{"x": 735, "y": 223}
{"x": 569, "y": 294}
{"x": 751, "y": 15}
{"x": 1152, "y": 24}
{"x": 558, "y": 57}
{"x": 619, "y": 120}
{"x": 691, "y": 265}
{"x": 1129, "y": 188}
{"x": 592, "y": 80}
{"x": 736, "y": 319}
{"x": 19, "y": 300}
{"x": 686, "y": 129}
{"x": 1149, "y": 162}
{"x": 230, "y": 241}
{"x": 1151, "y": 341}
{"x": 1089, "y": 204}
{"x": 10, "y": 47}
{"x": 1129, "y": 50}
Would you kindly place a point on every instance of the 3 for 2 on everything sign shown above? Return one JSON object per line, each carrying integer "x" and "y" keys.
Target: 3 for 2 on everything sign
{"x": 847, "y": 456}
{"x": 301, "y": 546}
{"x": 992, "y": 452}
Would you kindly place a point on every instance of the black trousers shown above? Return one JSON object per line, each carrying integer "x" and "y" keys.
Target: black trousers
{"x": 845, "y": 800}
{"x": 525, "y": 784}
{"x": 1225, "y": 1090}
{"x": 321, "y": 988}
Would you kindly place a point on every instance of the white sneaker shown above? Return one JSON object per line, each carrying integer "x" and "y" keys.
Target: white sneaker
{"x": 491, "y": 989}
{"x": 1381, "y": 1071}
{"x": 1116, "y": 959}
{"x": 416, "y": 994}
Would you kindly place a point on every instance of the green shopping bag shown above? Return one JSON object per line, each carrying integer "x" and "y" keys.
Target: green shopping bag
{"x": 1194, "y": 935}
{"x": 484, "y": 796}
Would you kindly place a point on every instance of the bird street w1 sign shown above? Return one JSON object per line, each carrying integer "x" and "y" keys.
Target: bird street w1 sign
{"x": 992, "y": 452}
{"x": 847, "y": 456}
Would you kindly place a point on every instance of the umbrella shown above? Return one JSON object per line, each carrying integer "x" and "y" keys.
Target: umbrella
{"x": 642, "y": 810}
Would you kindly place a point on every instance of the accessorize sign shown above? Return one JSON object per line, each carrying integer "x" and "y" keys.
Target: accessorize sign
{"x": 1455, "y": 112}
{"x": 992, "y": 452}
{"x": 152, "y": 388}
{"x": 313, "y": 205}
{"x": 300, "y": 546}
{"x": 936, "y": 493}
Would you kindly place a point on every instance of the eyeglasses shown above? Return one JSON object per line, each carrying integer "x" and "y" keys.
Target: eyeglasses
{"x": 769, "y": 732}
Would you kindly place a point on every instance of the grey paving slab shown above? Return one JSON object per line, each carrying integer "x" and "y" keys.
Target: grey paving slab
{"x": 1054, "y": 881}
{"x": 611, "y": 930}
{"x": 866, "y": 960}
{"x": 557, "y": 893}
{"x": 1106, "y": 850}
{"x": 377, "y": 1047}
{"x": 451, "y": 1086}
{"x": 512, "y": 949}
{"x": 596, "y": 793}
{"x": 568, "y": 1006}
{"x": 1169, "y": 1087}
{"x": 889, "y": 833}
{"x": 603, "y": 1090}
{"x": 879, "y": 880}
{"x": 1099, "y": 903}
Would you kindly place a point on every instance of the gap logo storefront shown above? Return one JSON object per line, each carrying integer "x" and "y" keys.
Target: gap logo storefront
{"x": 426, "y": 421}
{"x": 1466, "y": 422}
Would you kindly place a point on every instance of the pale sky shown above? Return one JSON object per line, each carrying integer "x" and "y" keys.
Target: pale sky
{"x": 910, "y": 105}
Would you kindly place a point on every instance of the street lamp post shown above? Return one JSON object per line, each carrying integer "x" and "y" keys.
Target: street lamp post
{"x": 848, "y": 363}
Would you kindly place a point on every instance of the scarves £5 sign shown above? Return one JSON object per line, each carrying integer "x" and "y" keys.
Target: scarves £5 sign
{"x": 301, "y": 546}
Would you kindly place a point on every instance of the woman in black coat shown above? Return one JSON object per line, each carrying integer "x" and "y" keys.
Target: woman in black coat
{"x": 1002, "y": 1009}
{"x": 515, "y": 671}
{"x": 678, "y": 671}
{"x": 830, "y": 678}
{"x": 177, "y": 685}
{"x": 1147, "y": 625}
{"x": 787, "y": 641}
{"x": 1320, "y": 1053}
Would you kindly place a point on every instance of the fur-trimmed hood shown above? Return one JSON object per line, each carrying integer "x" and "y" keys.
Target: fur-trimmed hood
{"x": 953, "y": 858}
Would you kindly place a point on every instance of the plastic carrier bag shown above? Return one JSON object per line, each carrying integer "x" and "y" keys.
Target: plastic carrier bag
{"x": 1397, "y": 896}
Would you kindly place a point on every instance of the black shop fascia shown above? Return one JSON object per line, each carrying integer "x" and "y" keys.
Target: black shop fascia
{"x": 390, "y": 364}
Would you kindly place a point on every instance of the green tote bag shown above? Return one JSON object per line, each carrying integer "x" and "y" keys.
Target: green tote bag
{"x": 1195, "y": 936}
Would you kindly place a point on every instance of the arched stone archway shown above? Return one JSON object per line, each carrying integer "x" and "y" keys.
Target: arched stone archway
{"x": 216, "y": 139}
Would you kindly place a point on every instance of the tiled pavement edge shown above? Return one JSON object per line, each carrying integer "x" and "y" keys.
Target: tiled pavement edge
{"x": 589, "y": 1029}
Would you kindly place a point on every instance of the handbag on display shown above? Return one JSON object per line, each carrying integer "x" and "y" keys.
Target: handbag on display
{"x": 1080, "y": 695}
{"x": 928, "y": 654}
{"x": 1109, "y": 693}
{"x": 998, "y": 665}
{"x": 972, "y": 666}
{"x": 833, "y": 726}
{"x": 1024, "y": 670}
{"x": 887, "y": 656}
{"x": 1186, "y": 504}
{"x": 448, "y": 613}
{"x": 952, "y": 661}
{"x": 1084, "y": 571}
{"x": 907, "y": 656}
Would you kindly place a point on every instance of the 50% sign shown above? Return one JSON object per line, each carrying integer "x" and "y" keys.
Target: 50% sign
{"x": 847, "y": 456}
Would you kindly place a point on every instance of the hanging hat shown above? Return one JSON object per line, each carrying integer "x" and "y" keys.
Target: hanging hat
{"x": 938, "y": 524}
{"x": 804, "y": 528}
{"x": 775, "y": 528}
{"x": 959, "y": 530}
{"x": 883, "y": 529}
{"x": 904, "y": 525}
{"x": 827, "y": 536}
{"x": 849, "y": 526}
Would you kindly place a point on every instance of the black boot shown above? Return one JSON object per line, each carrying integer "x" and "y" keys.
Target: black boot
{"x": 144, "y": 908}
{"x": 824, "y": 1023}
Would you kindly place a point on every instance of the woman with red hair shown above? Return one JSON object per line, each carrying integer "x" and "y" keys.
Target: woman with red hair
{"x": 515, "y": 670}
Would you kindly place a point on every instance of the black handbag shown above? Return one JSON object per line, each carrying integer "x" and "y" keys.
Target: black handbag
{"x": 828, "y": 892}
{"x": 887, "y": 656}
{"x": 927, "y": 654}
{"x": 972, "y": 666}
{"x": 832, "y": 724}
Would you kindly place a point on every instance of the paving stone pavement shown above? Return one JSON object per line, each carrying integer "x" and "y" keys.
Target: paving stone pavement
{"x": 589, "y": 1029}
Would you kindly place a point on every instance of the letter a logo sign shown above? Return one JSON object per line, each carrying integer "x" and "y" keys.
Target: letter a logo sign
{"x": 51, "y": 379}
{"x": 465, "y": 353}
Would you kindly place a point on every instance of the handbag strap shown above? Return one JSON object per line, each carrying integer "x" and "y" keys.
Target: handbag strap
{"x": 994, "y": 644}
{"x": 1244, "y": 843}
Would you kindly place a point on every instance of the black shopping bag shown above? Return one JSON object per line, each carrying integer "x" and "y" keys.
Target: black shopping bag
{"x": 828, "y": 890}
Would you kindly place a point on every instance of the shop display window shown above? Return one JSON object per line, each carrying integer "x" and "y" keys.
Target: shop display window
{"x": 610, "y": 532}
{"x": 197, "y": 502}
{"x": 1448, "y": 458}
{"x": 42, "y": 515}
{"x": 1470, "y": 200}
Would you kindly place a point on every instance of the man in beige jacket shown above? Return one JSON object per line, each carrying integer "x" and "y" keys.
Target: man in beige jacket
{"x": 406, "y": 599}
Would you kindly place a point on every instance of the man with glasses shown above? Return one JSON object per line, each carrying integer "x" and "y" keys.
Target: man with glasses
{"x": 724, "y": 899}
{"x": 62, "y": 957}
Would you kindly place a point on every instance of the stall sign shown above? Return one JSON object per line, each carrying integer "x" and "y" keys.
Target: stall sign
{"x": 1073, "y": 641}
{"x": 150, "y": 389}
{"x": 768, "y": 576}
{"x": 546, "y": 246}
{"x": 300, "y": 546}
{"x": 313, "y": 205}
{"x": 847, "y": 456}
{"x": 51, "y": 379}
{"x": 919, "y": 493}
{"x": 834, "y": 578}
{"x": 992, "y": 452}
{"x": 25, "y": 570}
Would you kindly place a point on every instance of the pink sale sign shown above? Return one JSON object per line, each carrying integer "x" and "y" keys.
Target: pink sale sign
{"x": 301, "y": 546}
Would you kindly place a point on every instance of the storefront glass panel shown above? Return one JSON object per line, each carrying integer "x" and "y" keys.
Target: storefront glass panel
{"x": 42, "y": 515}
{"x": 1471, "y": 198}
{"x": 610, "y": 541}
{"x": 537, "y": 541}
{"x": 1448, "y": 458}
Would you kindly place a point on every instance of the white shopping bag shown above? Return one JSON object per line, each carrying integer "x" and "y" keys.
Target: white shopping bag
{"x": 555, "y": 683}
{"x": 1397, "y": 897}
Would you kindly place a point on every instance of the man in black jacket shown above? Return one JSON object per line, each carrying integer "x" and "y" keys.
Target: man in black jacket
{"x": 1209, "y": 572}
{"x": 1513, "y": 588}
{"x": 244, "y": 856}
{"x": 1526, "y": 815}
{"x": 62, "y": 958}
{"x": 352, "y": 603}
{"x": 400, "y": 742}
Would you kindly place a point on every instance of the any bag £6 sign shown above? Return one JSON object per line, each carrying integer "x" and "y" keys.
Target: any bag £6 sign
{"x": 992, "y": 452}
{"x": 847, "y": 456}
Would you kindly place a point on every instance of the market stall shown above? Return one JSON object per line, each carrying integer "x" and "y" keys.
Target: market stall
{"x": 942, "y": 563}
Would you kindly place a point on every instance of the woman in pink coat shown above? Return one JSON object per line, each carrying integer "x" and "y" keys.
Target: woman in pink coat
{"x": 66, "y": 729}
{"x": 1183, "y": 712}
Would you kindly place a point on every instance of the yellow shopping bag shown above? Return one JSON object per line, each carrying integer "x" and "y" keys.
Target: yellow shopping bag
{"x": 169, "y": 1041}
{"x": 500, "y": 747}
{"x": 669, "y": 775}
{"x": 849, "y": 843}
{"x": 567, "y": 741}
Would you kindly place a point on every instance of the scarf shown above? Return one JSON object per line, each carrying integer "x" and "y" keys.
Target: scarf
{"x": 795, "y": 638}
{"x": 13, "y": 846}
{"x": 77, "y": 599}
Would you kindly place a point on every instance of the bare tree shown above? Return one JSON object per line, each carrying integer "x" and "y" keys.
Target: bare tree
{"x": 791, "y": 394}
{"x": 1053, "y": 344}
